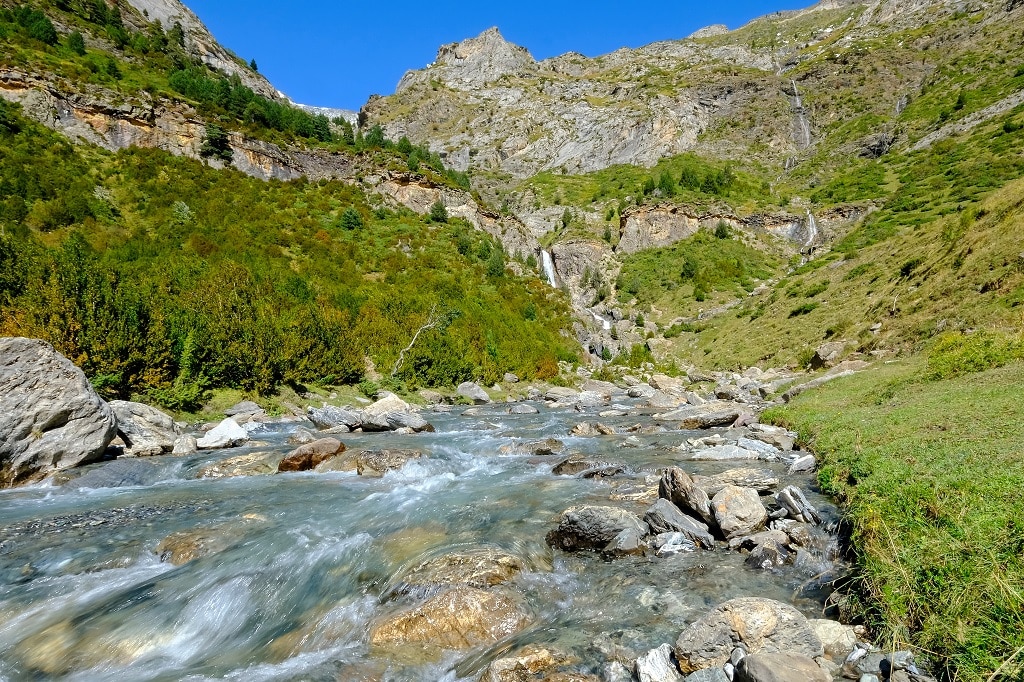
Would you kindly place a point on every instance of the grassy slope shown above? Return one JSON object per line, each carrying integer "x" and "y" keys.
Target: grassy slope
{"x": 931, "y": 474}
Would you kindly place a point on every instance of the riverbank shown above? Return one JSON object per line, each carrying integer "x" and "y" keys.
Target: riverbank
{"x": 930, "y": 474}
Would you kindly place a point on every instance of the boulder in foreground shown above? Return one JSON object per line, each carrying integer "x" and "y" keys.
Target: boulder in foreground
{"x": 50, "y": 417}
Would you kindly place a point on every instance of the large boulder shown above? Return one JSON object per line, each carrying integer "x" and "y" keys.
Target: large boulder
{"x": 474, "y": 392}
{"x": 761, "y": 480}
{"x": 50, "y": 417}
{"x": 145, "y": 430}
{"x": 779, "y": 667}
{"x": 760, "y": 625}
{"x": 227, "y": 434}
{"x": 376, "y": 463}
{"x": 738, "y": 511}
{"x": 311, "y": 455}
{"x": 592, "y": 527}
{"x": 460, "y": 618}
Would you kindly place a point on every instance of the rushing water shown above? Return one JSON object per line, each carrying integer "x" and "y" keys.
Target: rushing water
{"x": 549, "y": 268}
{"x": 307, "y": 561}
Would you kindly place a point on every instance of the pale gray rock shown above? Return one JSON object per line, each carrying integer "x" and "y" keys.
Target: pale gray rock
{"x": 780, "y": 667}
{"x": 804, "y": 464}
{"x": 724, "y": 453}
{"x": 708, "y": 675}
{"x": 657, "y": 666}
{"x": 665, "y": 517}
{"x": 523, "y": 408}
{"x": 185, "y": 445}
{"x": 592, "y": 527}
{"x": 667, "y": 544}
{"x": 408, "y": 420}
{"x": 838, "y": 639}
{"x": 511, "y": 378}
{"x": 246, "y": 407}
{"x": 329, "y": 417}
{"x": 627, "y": 542}
{"x": 738, "y": 511}
{"x": 793, "y": 500}
{"x": 706, "y": 416}
{"x": 677, "y": 486}
{"x": 760, "y": 625}
{"x": 765, "y": 451}
{"x": 227, "y": 434}
{"x": 761, "y": 480}
{"x": 774, "y": 435}
{"x": 145, "y": 430}
{"x": 50, "y": 417}
{"x": 561, "y": 394}
{"x": 474, "y": 392}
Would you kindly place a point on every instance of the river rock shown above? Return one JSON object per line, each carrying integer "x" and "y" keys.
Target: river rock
{"x": 561, "y": 394}
{"x": 717, "y": 413}
{"x": 376, "y": 463}
{"x": 474, "y": 392}
{"x": 779, "y": 667}
{"x": 251, "y": 464}
{"x": 708, "y": 675}
{"x": 576, "y": 464}
{"x": 480, "y": 568}
{"x": 592, "y": 429}
{"x": 774, "y": 435}
{"x": 801, "y": 465}
{"x": 227, "y": 434}
{"x": 837, "y": 639}
{"x": 799, "y": 533}
{"x": 50, "y": 416}
{"x": 537, "y": 448}
{"x": 311, "y": 455}
{"x": 768, "y": 453}
{"x": 642, "y": 391}
{"x": 665, "y": 517}
{"x": 592, "y": 527}
{"x": 723, "y": 453}
{"x": 761, "y": 480}
{"x": 408, "y": 420}
{"x": 738, "y": 511}
{"x": 187, "y": 545}
{"x": 760, "y": 625}
{"x": 657, "y": 666}
{"x": 667, "y": 544}
{"x": 145, "y": 430}
{"x": 628, "y": 542}
{"x": 246, "y": 408}
{"x": 330, "y": 417}
{"x": 185, "y": 445}
{"x": 460, "y": 618}
{"x": 677, "y": 487}
{"x": 793, "y": 500}
{"x": 301, "y": 437}
{"x": 768, "y": 554}
{"x": 523, "y": 408}
{"x": 664, "y": 401}
{"x": 523, "y": 666}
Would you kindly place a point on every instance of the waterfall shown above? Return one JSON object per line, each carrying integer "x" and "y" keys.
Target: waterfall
{"x": 812, "y": 230}
{"x": 605, "y": 323}
{"x": 798, "y": 106}
{"x": 549, "y": 268}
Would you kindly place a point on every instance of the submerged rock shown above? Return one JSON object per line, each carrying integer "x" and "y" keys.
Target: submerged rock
{"x": 480, "y": 568}
{"x": 760, "y": 625}
{"x": 50, "y": 416}
{"x": 460, "y": 618}
{"x": 592, "y": 527}
{"x": 522, "y": 666}
{"x": 252, "y": 464}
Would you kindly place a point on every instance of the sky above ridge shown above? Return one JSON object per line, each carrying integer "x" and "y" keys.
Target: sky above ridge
{"x": 337, "y": 54}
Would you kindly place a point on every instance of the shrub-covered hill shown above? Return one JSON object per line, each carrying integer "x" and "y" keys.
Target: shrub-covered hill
{"x": 162, "y": 276}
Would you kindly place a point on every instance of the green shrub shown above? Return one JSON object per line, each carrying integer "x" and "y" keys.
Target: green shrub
{"x": 803, "y": 309}
{"x": 955, "y": 353}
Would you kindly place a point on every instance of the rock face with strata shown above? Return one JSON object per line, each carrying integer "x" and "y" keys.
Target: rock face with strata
{"x": 50, "y": 417}
{"x": 760, "y": 625}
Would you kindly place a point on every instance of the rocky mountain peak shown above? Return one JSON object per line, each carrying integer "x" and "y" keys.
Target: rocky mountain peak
{"x": 201, "y": 42}
{"x": 473, "y": 62}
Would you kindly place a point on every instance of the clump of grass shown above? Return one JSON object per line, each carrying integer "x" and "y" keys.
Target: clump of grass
{"x": 955, "y": 354}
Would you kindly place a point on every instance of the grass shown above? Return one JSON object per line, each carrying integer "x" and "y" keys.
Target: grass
{"x": 929, "y": 473}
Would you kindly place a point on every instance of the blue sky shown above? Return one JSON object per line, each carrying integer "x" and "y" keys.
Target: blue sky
{"x": 337, "y": 54}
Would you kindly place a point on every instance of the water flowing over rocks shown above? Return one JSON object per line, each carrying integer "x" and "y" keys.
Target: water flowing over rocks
{"x": 311, "y": 455}
{"x": 227, "y": 434}
{"x": 252, "y": 464}
{"x": 50, "y": 417}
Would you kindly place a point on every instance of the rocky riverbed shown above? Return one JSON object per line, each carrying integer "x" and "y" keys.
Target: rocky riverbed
{"x": 610, "y": 534}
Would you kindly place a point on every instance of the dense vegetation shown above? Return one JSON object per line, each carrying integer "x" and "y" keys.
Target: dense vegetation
{"x": 164, "y": 277}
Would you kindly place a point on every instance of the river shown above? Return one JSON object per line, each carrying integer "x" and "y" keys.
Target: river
{"x": 307, "y": 562}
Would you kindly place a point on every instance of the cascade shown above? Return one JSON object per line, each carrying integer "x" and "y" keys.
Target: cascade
{"x": 805, "y": 127}
{"x": 549, "y": 268}
{"x": 812, "y": 230}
